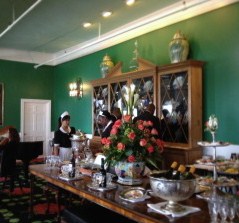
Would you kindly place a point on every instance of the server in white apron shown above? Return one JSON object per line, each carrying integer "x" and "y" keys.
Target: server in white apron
{"x": 62, "y": 136}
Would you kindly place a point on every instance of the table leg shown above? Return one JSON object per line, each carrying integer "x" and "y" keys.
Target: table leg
{"x": 31, "y": 211}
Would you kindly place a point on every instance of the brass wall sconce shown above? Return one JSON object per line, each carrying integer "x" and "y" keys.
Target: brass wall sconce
{"x": 76, "y": 88}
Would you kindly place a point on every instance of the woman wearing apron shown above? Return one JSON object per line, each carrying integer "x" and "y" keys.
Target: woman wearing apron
{"x": 62, "y": 136}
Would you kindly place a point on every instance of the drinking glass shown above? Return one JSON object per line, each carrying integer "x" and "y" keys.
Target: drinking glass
{"x": 53, "y": 162}
{"x": 223, "y": 210}
{"x": 48, "y": 162}
{"x": 96, "y": 179}
{"x": 237, "y": 207}
{"x": 213, "y": 208}
{"x": 109, "y": 178}
{"x": 231, "y": 208}
{"x": 88, "y": 154}
{"x": 57, "y": 162}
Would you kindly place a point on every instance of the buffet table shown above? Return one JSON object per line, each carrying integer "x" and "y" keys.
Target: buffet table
{"x": 138, "y": 212}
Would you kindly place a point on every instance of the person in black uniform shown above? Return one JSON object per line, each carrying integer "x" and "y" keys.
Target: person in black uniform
{"x": 148, "y": 115}
{"x": 116, "y": 114}
{"x": 62, "y": 136}
{"x": 105, "y": 119}
{"x": 9, "y": 146}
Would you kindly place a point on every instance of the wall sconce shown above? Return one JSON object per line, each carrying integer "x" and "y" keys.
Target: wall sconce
{"x": 76, "y": 89}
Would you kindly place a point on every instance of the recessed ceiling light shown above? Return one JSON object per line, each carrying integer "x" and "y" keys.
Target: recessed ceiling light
{"x": 106, "y": 14}
{"x": 130, "y": 2}
{"x": 87, "y": 24}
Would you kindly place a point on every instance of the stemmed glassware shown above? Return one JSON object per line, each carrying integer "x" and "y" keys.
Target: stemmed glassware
{"x": 52, "y": 161}
{"x": 212, "y": 126}
{"x": 237, "y": 208}
{"x": 231, "y": 211}
{"x": 213, "y": 208}
{"x": 223, "y": 210}
{"x": 48, "y": 162}
{"x": 224, "y": 206}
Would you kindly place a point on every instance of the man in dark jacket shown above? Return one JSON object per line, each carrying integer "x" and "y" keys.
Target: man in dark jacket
{"x": 105, "y": 119}
{"x": 116, "y": 114}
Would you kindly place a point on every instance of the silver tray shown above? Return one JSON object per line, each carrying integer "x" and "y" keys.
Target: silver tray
{"x": 111, "y": 186}
{"x": 134, "y": 194}
{"x": 213, "y": 144}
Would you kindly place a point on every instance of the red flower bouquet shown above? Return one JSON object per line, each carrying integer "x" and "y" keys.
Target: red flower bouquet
{"x": 133, "y": 142}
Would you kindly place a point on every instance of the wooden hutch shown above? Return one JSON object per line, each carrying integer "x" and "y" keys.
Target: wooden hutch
{"x": 176, "y": 91}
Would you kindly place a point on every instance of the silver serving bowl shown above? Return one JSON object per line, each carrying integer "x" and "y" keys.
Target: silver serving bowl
{"x": 172, "y": 190}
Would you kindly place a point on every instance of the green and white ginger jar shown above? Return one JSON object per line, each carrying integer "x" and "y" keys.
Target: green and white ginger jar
{"x": 178, "y": 48}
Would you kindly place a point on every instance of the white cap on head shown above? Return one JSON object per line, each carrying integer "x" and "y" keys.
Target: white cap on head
{"x": 64, "y": 114}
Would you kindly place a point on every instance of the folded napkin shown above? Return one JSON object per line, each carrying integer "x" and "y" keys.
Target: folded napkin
{"x": 187, "y": 210}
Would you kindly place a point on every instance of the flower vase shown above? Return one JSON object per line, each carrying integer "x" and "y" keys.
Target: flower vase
{"x": 129, "y": 173}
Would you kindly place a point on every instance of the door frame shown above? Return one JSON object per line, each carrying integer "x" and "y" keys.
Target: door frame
{"x": 48, "y": 118}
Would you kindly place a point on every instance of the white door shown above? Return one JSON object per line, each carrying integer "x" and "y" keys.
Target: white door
{"x": 36, "y": 121}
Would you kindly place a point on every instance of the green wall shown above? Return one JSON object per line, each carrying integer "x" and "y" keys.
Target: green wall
{"x": 213, "y": 37}
{"x": 21, "y": 80}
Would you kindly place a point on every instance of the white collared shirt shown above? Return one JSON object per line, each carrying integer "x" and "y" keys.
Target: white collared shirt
{"x": 69, "y": 130}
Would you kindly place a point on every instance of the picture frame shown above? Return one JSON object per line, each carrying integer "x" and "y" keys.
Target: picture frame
{"x": 1, "y": 103}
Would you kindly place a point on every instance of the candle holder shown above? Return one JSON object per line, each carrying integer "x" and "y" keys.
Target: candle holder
{"x": 213, "y": 133}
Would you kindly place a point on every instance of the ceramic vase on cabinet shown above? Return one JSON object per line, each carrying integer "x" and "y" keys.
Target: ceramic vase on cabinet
{"x": 129, "y": 173}
{"x": 178, "y": 48}
{"x": 106, "y": 66}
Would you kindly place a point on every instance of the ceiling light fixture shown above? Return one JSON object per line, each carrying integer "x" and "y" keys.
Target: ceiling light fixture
{"x": 130, "y": 2}
{"x": 106, "y": 14}
{"x": 87, "y": 24}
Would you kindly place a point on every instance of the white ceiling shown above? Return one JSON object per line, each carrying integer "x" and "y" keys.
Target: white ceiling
{"x": 51, "y": 32}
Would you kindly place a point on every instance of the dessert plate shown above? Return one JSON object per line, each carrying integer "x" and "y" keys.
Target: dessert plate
{"x": 134, "y": 194}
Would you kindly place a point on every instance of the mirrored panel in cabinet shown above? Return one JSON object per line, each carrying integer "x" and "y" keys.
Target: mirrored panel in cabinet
{"x": 144, "y": 87}
{"x": 108, "y": 92}
{"x": 100, "y": 103}
{"x": 180, "y": 103}
{"x": 174, "y": 107}
{"x": 117, "y": 90}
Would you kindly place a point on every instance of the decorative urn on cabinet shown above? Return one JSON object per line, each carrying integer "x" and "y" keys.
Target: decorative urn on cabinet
{"x": 106, "y": 66}
{"x": 178, "y": 48}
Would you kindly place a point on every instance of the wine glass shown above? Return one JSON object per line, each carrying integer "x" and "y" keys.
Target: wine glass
{"x": 212, "y": 126}
{"x": 48, "y": 162}
{"x": 223, "y": 210}
{"x": 232, "y": 206}
{"x": 237, "y": 207}
{"x": 213, "y": 208}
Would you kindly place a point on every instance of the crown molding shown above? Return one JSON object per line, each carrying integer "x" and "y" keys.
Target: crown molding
{"x": 24, "y": 56}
